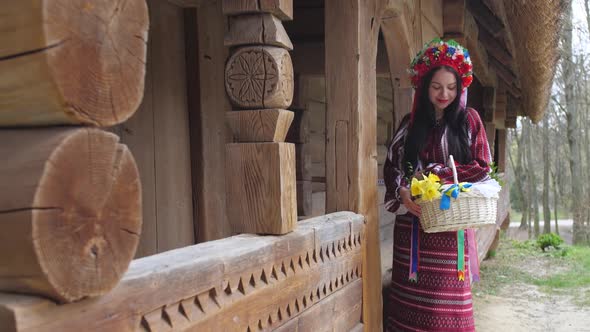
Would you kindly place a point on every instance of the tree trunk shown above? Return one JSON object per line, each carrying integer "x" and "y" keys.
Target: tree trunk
{"x": 555, "y": 196}
{"x": 520, "y": 177}
{"x": 70, "y": 212}
{"x": 546, "y": 164}
{"x": 70, "y": 62}
{"x": 573, "y": 133}
{"x": 532, "y": 179}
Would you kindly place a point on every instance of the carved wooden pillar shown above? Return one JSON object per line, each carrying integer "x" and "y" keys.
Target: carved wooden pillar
{"x": 260, "y": 166}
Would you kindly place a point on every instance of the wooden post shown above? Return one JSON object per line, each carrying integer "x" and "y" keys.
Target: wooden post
{"x": 71, "y": 212}
{"x": 208, "y": 122}
{"x": 351, "y": 33}
{"x": 261, "y": 186}
{"x": 491, "y": 135}
{"x": 501, "y": 148}
{"x": 71, "y": 62}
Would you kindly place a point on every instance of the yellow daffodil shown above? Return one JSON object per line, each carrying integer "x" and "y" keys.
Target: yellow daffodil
{"x": 428, "y": 188}
{"x": 416, "y": 187}
{"x": 433, "y": 177}
{"x": 431, "y": 192}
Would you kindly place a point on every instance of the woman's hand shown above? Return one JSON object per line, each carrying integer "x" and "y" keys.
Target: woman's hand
{"x": 406, "y": 197}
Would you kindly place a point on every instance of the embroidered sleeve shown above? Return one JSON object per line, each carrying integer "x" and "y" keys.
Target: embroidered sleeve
{"x": 393, "y": 170}
{"x": 478, "y": 169}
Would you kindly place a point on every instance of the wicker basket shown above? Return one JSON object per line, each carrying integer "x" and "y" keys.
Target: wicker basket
{"x": 469, "y": 210}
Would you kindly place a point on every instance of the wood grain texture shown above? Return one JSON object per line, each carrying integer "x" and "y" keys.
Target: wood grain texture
{"x": 257, "y": 29}
{"x": 70, "y": 62}
{"x": 70, "y": 212}
{"x": 432, "y": 15}
{"x": 210, "y": 195}
{"x": 299, "y": 129}
{"x": 489, "y": 104}
{"x": 191, "y": 3}
{"x": 270, "y": 125}
{"x": 501, "y": 150}
{"x": 283, "y": 9}
{"x": 232, "y": 284}
{"x": 260, "y": 77}
{"x": 261, "y": 189}
{"x": 501, "y": 104}
{"x": 340, "y": 311}
{"x": 174, "y": 210}
{"x": 303, "y": 162}
{"x": 304, "y": 198}
{"x": 351, "y": 121}
{"x": 454, "y": 16}
{"x": 399, "y": 41}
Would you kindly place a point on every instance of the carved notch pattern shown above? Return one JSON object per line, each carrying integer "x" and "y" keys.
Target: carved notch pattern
{"x": 257, "y": 78}
{"x": 204, "y": 305}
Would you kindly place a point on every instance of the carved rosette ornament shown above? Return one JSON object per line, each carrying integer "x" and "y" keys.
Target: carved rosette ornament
{"x": 260, "y": 77}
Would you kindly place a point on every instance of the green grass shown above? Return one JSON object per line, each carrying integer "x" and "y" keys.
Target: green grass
{"x": 575, "y": 280}
{"x": 564, "y": 271}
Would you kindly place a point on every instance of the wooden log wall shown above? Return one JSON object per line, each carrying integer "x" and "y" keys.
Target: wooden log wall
{"x": 51, "y": 75}
{"x": 70, "y": 197}
{"x": 260, "y": 174}
{"x": 307, "y": 280}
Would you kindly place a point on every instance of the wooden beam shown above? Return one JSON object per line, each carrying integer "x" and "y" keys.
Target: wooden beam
{"x": 51, "y": 74}
{"x": 503, "y": 71}
{"x": 351, "y": 123}
{"x": 191, "y": 3}
{"x": 280, "y": 8}
{"x": 257, "y": 29}
{"x": 209, "y": 192}
{"x": 232, "y": 284}
{"x": 399, "y": 44}
{"x": 479, "y": 55}
{"x": 316, "y": 51}
{"x": 454, "y": 17}
{"x": 71, "y": 193}
{"x": 485, "y": 17}
{"x": 495, "y": 47}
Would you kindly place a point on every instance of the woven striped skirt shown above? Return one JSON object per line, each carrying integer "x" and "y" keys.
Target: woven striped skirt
{"x": 438, "y": 301}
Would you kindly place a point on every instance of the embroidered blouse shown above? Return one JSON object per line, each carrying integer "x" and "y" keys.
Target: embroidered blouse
{"x": 434, "y": 158}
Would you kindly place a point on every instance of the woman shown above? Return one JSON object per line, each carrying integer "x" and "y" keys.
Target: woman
{"x": 429, "y": 292}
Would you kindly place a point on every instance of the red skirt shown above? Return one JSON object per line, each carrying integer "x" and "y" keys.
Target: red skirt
{"x": 438, "y": 301}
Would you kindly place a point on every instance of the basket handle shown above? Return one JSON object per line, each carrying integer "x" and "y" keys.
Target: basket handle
{"x": 453, "y": 168}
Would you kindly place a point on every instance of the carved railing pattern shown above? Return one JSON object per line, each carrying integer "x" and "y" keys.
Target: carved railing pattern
{"x": 204, "y": 306}
{"x": 243, "y": 283}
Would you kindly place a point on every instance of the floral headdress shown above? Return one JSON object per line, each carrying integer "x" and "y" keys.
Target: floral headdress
{"x": 440, "y": 53}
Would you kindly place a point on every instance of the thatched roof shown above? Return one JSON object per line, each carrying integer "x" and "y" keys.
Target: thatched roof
{"x": 534, "y": 26}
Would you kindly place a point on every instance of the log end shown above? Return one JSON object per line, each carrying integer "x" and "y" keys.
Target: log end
{"x": 98, "y": 58}
{"x": 88, "y": 234}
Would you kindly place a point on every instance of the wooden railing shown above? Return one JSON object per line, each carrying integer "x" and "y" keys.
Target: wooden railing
{"x": 488, "y": 237}
{"x": 307, "y": 280}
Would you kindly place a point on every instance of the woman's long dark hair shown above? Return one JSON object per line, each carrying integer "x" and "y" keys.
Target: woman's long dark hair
{"x": 455, "y": 118}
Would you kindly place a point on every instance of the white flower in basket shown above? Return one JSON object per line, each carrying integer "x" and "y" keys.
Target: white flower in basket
{"x": 467, "y": 205}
